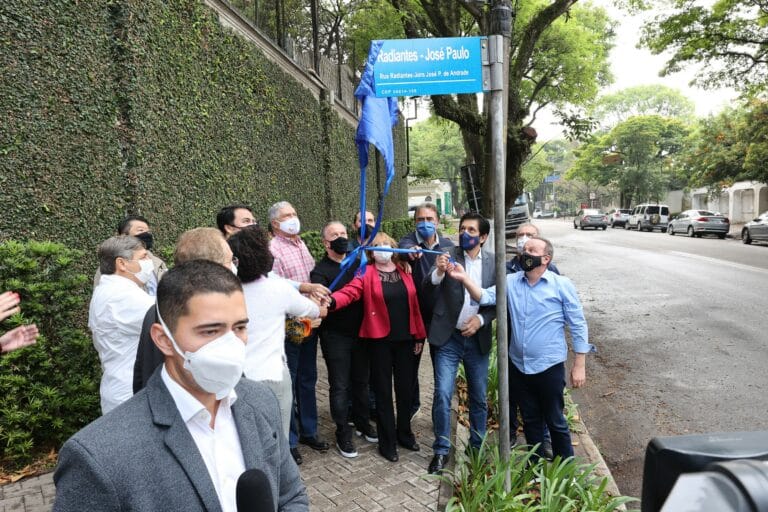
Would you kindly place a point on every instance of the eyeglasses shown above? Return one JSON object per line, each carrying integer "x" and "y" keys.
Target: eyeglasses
{"x": 235, "y": 261}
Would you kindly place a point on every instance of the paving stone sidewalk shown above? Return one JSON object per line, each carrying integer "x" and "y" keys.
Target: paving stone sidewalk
{"x": 368, "y": 482}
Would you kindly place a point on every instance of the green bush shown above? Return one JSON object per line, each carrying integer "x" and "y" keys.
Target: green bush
{"x": 50, "y": 390}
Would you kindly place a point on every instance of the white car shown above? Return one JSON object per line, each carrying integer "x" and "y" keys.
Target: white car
{"x": 649, "y": 217}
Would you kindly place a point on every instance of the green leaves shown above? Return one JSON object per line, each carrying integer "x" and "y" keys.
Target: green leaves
{"x": 729, "y": 40}
{"x": 50, "y": 390}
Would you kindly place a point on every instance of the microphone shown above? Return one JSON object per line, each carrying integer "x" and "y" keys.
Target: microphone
{"x": 253, "y": 492}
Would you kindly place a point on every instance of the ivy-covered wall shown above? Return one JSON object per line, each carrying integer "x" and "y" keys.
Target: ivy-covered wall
{"x": 152, "y": 107}
{"x": 60, "y": 173}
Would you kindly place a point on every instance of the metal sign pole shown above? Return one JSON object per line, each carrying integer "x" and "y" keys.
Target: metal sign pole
{"x": 501, "y": 19}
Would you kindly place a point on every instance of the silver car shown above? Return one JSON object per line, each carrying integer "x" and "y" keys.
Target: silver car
{"x": 590, "y": 218}
{"x": 699, "y": 222}
{"x": 756, "y": 229}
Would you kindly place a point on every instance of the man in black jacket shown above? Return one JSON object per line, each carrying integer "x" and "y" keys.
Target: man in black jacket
{"x": 425, "y": 236}
{"x": 346, "y": 356}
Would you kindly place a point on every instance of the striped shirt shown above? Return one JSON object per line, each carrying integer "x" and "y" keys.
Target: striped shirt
{"x": 292, "y": 258}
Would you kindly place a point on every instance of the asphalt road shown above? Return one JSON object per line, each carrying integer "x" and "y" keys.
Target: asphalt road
{"x": 680, "y": 325}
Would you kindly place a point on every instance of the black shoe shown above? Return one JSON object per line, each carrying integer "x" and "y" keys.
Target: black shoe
{"x": 411, "y": 445}
{"x": 546, "y": 450}
{"x": 296, "y": 456}
{"x": 346, "y": 449}
{"x": 315, "y": 443}
{"x": 438, "y": 464}
{"x": 390, "y": 456}
{"x": 369, "y": 432}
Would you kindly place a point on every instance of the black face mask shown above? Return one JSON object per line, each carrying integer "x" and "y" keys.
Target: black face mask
{"x": 368, "y": 231}
{"x": 529, "y": 261}
{"x": 146, "y": 238}
{"x": 340, "y": 245}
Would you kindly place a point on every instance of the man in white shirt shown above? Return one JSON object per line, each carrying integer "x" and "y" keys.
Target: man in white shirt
{"x": 138, "y": 226}
{"x": 183, "y": 442}
{"x": 117, "y": 309}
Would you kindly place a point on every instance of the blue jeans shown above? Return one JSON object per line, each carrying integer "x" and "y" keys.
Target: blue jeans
{"x": 302, "y": 363}
{"x": 447, "y": 358}
{"x": 541, "y": 400}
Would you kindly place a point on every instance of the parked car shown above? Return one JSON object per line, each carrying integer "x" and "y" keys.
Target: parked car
{"x": 517, "y": 215}
{"x": 756, "y": 229}
{"x": 649, "y": 217}
{"x": 619, "y": 216}
{"x": 699, "y": 222}
{"x": 590, "y": 218}
{"x": 537, "y": 213}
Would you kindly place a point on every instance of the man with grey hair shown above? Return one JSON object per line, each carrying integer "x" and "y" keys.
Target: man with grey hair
{"x": 293, "y": 261}
{"x": 116, "y": 312}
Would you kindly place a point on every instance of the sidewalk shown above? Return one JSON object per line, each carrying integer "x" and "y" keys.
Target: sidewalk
{"x": 368, "y": 482}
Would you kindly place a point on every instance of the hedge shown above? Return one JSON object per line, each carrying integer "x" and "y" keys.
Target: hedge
{"x": 51, "y": 389}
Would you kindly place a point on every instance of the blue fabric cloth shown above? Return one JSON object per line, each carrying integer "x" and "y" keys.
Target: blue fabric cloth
{"x": 447, "y": 358}
{"x": 377, "y": 118}
{"x": 539, "y": 315}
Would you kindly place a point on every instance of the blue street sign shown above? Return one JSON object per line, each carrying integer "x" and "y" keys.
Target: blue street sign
{"x": 552, "y": 179}
{"x": 420, "y": 67}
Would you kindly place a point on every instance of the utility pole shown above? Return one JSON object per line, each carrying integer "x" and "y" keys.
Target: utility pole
{"x": 499, "y": 42}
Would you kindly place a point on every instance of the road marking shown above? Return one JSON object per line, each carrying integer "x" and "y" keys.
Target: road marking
{"x": 731, "y": 264}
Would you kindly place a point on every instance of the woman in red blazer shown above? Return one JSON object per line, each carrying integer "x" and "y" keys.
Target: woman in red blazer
{"x": 394, "y": 332}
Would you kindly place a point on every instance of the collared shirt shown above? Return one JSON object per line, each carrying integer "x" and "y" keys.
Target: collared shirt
{"x": 292, "y": 258}
{"x": 539, "y": 315}
{"x": 115, "y": 316}
{"x": 470, "y": 308}
{"x": 269, "y": 300}
{"x": 219, "y": 446}
{"x": 474, "y": 269}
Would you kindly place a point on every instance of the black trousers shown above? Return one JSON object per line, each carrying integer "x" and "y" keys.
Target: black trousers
{"x": 346, "y": 358}
{"x": 393, "y": 361}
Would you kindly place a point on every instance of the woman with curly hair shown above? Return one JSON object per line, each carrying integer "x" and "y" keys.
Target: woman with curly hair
{"x": 393, "y": 328}
{"x": 268, "y": 300}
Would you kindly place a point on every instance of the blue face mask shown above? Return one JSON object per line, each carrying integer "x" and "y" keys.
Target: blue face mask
{"x": 468, "y": 242}
{"x": 425, "y": 229}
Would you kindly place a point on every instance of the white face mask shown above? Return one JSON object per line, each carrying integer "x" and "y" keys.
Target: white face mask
{"x": 382, "y": 257}
{"x": 233, "y": 268}
{"x": 146, "y": 271}
{"x": 217, "y": 366}
{"x": 521, "y": 243}
{"x": 291, "y": 226}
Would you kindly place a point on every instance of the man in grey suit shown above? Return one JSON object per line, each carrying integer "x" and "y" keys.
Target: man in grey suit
{"x": 183, "y": 441}
{"x": 460, "y": 331}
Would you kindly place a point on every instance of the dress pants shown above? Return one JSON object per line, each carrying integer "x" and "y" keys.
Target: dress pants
{"x": 541, "y": 400}
{"x": 392, "y": 360}
{"x": 302, "y": 363}
{"x": 346, "y": 358}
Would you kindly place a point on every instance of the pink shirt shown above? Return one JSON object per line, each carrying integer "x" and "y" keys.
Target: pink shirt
{"x": 292, "y": 258}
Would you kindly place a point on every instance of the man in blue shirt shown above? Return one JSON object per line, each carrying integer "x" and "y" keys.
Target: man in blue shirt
{"x": 541, "y": 303}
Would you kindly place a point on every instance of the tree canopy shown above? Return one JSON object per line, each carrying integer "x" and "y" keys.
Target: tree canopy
{"x": 729, "y": 40}
{"x": 642, "y": 100}
{"x": 634, "y": 157}
{"x": 728, "y": 147}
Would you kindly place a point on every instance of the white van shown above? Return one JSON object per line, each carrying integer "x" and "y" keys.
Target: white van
{"x": 649, "y": 217}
